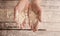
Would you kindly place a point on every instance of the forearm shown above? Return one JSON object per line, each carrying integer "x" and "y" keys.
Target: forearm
{"x": 21, "y": 5}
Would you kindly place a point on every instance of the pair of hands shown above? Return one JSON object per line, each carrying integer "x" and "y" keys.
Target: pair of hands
{"x": 34, "y": 5}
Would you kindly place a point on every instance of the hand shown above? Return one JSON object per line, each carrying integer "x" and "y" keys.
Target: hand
{"x": 37, "y": 10}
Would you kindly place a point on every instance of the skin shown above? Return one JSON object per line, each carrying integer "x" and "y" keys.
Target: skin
{"x": 22, "y": 4}
{"x": 34, "y": 6}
